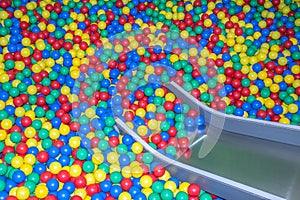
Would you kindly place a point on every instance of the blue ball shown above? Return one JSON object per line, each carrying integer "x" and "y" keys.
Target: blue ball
{"x": 18, "y": 176}
{"x": 256, "y": 104}
{"x": 140, "y": 196}
{"x": 189, "y": 122}
{"x": 200, "y": 120}
{"x": 52, "y": 184}
{"x": 238, "y": 112}
{"x": 69, "y": 186}
{"x": 53, "y": 151}
{"x": 105, "y": 186}
{"x": 133, "y": 191}
{"x": 277, "y": 110}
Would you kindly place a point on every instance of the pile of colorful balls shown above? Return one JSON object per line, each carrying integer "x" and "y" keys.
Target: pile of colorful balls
{"x": 69, "y": 67}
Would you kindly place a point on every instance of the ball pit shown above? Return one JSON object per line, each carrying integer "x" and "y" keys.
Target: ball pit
{"x": 63, "y": 81}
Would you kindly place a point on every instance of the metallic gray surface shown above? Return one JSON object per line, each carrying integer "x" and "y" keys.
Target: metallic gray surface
{"x": 208, "y": 172}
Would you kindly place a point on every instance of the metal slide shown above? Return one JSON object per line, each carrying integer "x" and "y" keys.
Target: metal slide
{"x": 236, "y": 158}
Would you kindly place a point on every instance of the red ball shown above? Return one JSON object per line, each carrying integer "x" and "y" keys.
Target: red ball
{"x": 159, "y": 170}
{"x": 194, "y": 190}
{"x": 113, "y": 141}
{"x": 46, "y": 176}
{"x": 92, "y": 189}
{"x": 42, "y": 156}
{"x": 51, "y": 197}
{"x": 183, "y": 142}
{"x": 22, "y": 148}
{"x": 63, "y": 176}
{"x": 156, "y": 138}
{"x": 126, "y": 184}
{"x": 80, "y": 182}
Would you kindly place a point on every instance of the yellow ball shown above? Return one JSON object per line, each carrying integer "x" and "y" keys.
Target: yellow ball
{"x": 124, "y": 196}
{"x": 293, "y": 108}
{"x": 3, "y": 135}
{"x": 137, "y": 148}
{"x": 23, "y": 192}
{"x": 6, "y": 124}
{"x": 207, "y": 23}
{"x": 284, "y": 121}
{"x": 75, "y": 171}
{"x": 26, "y": 168}
{"x": 137, "y": 171}
{"x": 282, "y": 61}
{"x": 193, "y": 52}
{"x": 20, "y": 112}
{"x": 142, "y": 130}
{"x": 30, "y": 159}
{"x": 127, "y": 27}
{"x": 54, "y": 134}
{"x": 159, "y": 92}
{"x": 289, "y": 79}
{"x": 184, "y": 186}
{"x": 97, "y": 158}
{"x": 112, "y": 157}
{"x": 17, "y": 162}
{"x": 29, "y": 132}
{"x": 55, "y": 167}
{"x": 171, "y": 185}
{"x": 41, "y": 191}
{"x": 274, "y": 88}
{"x": 146, "y": 181}
{"x": 74, "y": 142}
{"x": 140, "y": 112}
{"x": 100, "y": 175}
{"x": 174, "y": 58}
{"x": 126, "y": 172}
{"x": 147, "y": 192}
{"x": 151, "y": 108}
{"x": 152, "y": 124}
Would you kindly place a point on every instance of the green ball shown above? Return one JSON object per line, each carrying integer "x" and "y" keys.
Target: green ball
{"x": 182, "y": 196}
{"x": 37, "y": 124}
{"x": 30, "y": 185}
{"x": 165, "y": 126}
{"x": 103, "y": 145}
{"x": 47, "y": 143}
{"x": 115, "y": 177}
{"x": 167, "y": 194}
{"x": 50, "y": 99}
{"x": 15, "y": 137}
{"x": 34, "y": 177}
{"x": 8, "y": 157}
{"x": 43, "y": 133}
{"x": 147, "y": 158}
{"x": 3, "y": 169}
{"x": 229, "y": 110}
{"x": 296, "y": 55}
{"x": 39, "y": 112}
{"x": 14, "y": 92}
{"x": 171, "y": 150}
{"x": 110, "y": 121}
{"x": 50, "y": 114}
{"x": 205, "y": 196}
{"x": 245, "y": 82}
{"x": 148, "y": 91}
{"x": 154, "y": 196}
{"x": 157, "y": 187}
{"x": 288, "y": 100}
{"x": 2, "y": 185}
{"x": 265, "y": 92}
{"x": 81, "y": 154}
{"x": 88, "y": 166}
{"x": 122, "y": 149}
